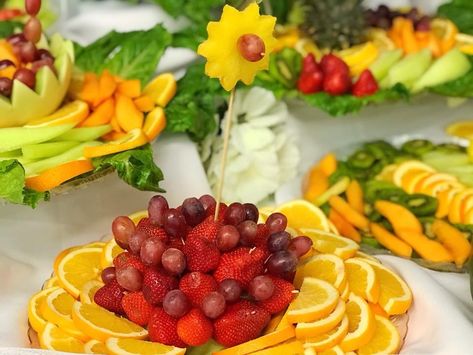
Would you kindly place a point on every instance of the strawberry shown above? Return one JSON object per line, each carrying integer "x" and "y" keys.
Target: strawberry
{"x": 175, "y": 243}
{"x": 211, "y": 211}
{"x": 262, "y": 235}
{"x": 194, "y": 328}
{"x": 162, "y": 328}
{"x": 311, "y": 82}
{"x": 241, "y": 264}
{"x": 281, "y": 297}
{"x": 110, "y": 297}
{"x": 332, "y": 64}
{"x": 365, "y": 85}
{"x": 196, "y": 285}
{"x": 241, "y": 322}
{"x": 128, "y": 259}
{"x": 207, "y": 230}
{"x": 156, "y": 284}
{"x": 136, "y": 308}
{"x": 151, "y": 230}
{"x": 201, "y": 254}
{"x": 309, "y": 64}
{"x": 337, "y": 83}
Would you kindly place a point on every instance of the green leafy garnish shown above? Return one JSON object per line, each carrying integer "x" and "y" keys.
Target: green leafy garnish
{"x": 12, "y": 185}
{"x": 130, "y": 55}
{"x": 195, "y": 105}
{"x": 136, "y": 167}
{"x": 460, "y": 12}
{"x": 7, "y": 28}
{"x": 461, "y": 87}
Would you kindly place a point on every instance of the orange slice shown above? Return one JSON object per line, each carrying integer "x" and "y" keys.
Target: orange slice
{"x": 117, "y": 346}
{"x": 377, "y": 309}
{"x": 161, "y": 89}
{"x": 327, "y": 267}
{"x": 413, "y": 179}
{"x": 345, "y": 292}
{"x": 328, "y": 340}
{"x": 95, "y": 347}
{"x": 406, "y": 168}
{"x": 133, "y": 139}
{"x": 462, "y": 129}
{"x": 395, "y": 297}
{"x": 35, "y": 317}
{"x": 51, "y": 282}
{"x": 100, "y": 324}
{"x": 362, "y": 279}
{"x": 154, "y": 123}
{"x": 109, "y": 252}
{"x": 73, "y": 112}
{"x": 316, "y": 299}
{"x": 387, "y": 173}
{"x": 303, "y": 214}
{"x": 336, "y": 350}
{"x": 330, "y": 243}
{"x": 445, "y": 198}
{"x": 386, "y": 339}
{"x": 54, "y": 338}
{"x": 435, "y": 183}
{"x": 88, "y": 291}
{"x": 323, "y": 325}
{"x": 54, "y": 177}
{"x": 271, "y": 339}
{"x": 289, "y": 347}
{"x": 457, "y": 205}
{"x": 78, "y": 267}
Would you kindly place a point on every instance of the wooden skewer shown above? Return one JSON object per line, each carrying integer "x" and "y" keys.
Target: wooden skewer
{"x": 226, "y": 141}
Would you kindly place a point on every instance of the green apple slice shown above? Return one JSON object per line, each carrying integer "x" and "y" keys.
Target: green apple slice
{"x": 46, "y": 150}
{"x": 385, "y": 61}
{"x": 84, "y": 134}
{"x": 410, "y": 68}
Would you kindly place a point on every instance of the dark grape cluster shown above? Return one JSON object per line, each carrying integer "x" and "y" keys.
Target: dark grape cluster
{"x": 383, "y": 17}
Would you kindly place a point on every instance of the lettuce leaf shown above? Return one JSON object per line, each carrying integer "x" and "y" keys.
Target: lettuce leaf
{"x": 136, "y": 167}
{"x": 461, "y": 87}
{"x": 7, "y": 28}
{"x": 131, "y": 55}
{"x": 460, "y": 12}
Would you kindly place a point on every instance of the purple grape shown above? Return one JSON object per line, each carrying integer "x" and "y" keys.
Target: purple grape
{"x": 281, "y": 262}
{"x": 6, "y": 63}
{"x": 108, "y": 274}
{"x": 176, "y": 304}
{"x": 129, "y": 278}
{"x": 278, "y": 241}
{"x": 136, "y": 241}
{"x": 151, "y": 251}
{"x": 16, "y": 39}
{"x": 235, "y": 214}
{"x": 227, "y": 237}
{"x": 157, "y": 207}
{"x": 230, "y": 289}
{"x": 28, "y": 52}
{"x": 174, "y": 261}
{"x": 208, "y": 202}
{"x": 276, "y": 222}
{"x": 383, "y": 11}
{"x": 122, "y": 229}
{"x": 251, "y": 212}
{"x": 193, "y": 211}
{"x": 213, "y": 305}
{"x": 174, "y": 222}
{"x": 261, "y": 288}
{"x": 423, "y": 25}
{"x": 248, "y": 231}
{"x": 45, "y": 54}
{"x": 6, "y": 86}
{"x": 300, "y": 246}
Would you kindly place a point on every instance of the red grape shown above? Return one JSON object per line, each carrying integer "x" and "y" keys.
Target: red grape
{"x": 151, "y": 251}
{"x": 17, "y": 38}
{"x": 193, "y": 211}
{"x": 108, "y": 274}
{"x": 251, "y": 211}
{"x": 251, "y": 47}
{"x": 157, "y": 206}
{"x": 278, "y": 241}
{"x": 300, "y": 245}
{"x": 32, "y": 30}
{"x": 248, "y": 230}
{"x": 6, "y": 86}
{"x": 26, "y": 76}
{"x": 276, "y": 222}
{"x": 32, "y": 7}
{"x": 44, "y": 54}
{"x": 281, "y": 262}
{"x": 261, "y": 288}
{"x": 6, "y": 63}
{"x": 174, "y": 261}
{"x": 235, "y": 214}
{"x": 208, "y": 202}
{"x": 213, "y": 305}
{"x": 129, "y": 278}
{"x": 230, "y": 289}
{"x": 38, "y": 64}
{"x": 174, "y": 222}
{"x": 227, "y": 237}
{"x": 135, "y": 241}
{"x": 423, "y": 25}
{"x": 122, "y": 229}
{"x": 28, "y": 52}
{"x": 176, "y": 304}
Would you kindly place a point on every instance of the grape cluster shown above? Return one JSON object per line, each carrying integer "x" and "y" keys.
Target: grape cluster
{"x": 24, "y": 47}
{"x": 383, "y": 17}
{"x": 237, "y": 227}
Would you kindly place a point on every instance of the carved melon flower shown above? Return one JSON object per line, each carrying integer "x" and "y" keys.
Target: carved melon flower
{"x": 238, "y": 45}
{"x": 262, "y": 154}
